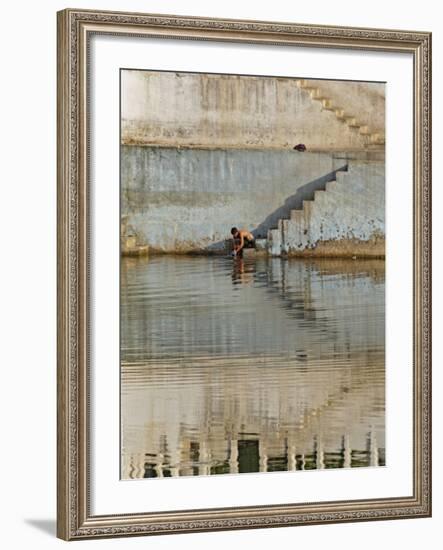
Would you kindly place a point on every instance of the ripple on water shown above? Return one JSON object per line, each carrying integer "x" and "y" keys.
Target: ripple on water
{"x": 229, "y": 366}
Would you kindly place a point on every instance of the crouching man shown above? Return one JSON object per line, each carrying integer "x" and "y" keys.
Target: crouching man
{"x": 242, "y": 239}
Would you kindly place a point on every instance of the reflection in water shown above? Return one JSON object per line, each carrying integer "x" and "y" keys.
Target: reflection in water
{"x": 232, "y": 366}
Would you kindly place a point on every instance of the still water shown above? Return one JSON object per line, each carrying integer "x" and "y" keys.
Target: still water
{"x": 232, "y": 366}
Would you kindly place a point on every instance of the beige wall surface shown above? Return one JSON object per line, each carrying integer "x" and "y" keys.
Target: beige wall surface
{"x": 204, "y": 152}
{"x": 211, "y": 111}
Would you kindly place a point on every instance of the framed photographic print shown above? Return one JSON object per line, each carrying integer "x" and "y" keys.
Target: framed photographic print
{"x": 243, "y": 274}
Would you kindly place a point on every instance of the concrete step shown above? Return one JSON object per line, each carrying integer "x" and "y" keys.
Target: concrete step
{"x": 328, "y": 105}
{"x": 377, "y": 139}
{"x": 302, "y": 83}
{"x": 307, "y": 205}
{"x": 352, "y": 198}
{"x": 261, "y": 245}
{"x": 318, "y": 94}
{"x": 319, "y": 195}
{"x": 341, "y": 177}
{"x": 274, "y": 242}
{"x": 352, "y": 122}
{"x": 309, "y": 89}
{"x": 326, "y": 203}
{"x": 330, "y": 206}
{"x": 332, "y": 185}
{"x": 284, "y": 232}
{"x": 302, "y": 227}
{"x": 334, "y": 212}
{"x": 296, "y": 215}
{"x": 354, "y": 190}
{"x": 364, "y": 130}
{"x": 344, "y": 187}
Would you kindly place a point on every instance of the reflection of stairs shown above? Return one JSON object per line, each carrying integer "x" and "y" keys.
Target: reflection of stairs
{"x": 372, "y": 138}
{"x": 349, "y": 209}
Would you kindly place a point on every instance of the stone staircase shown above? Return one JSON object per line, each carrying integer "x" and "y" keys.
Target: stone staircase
{"x": 318, "y": 93}
{"x": 344, "y": 219}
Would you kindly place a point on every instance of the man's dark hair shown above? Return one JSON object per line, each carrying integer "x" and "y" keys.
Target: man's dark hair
{"x": 234, "y": 231}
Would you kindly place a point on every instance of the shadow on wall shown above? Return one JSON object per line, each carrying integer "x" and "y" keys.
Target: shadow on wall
{"x": 293, "y": 202}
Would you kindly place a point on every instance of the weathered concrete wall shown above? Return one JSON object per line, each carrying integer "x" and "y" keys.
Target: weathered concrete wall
{"x": 347, "y": 218}
{"x": 187, "y": 200}
{"x": 362, "y": 100}
{"x": 203, "y": 110}
{"x": 202, "y": 153}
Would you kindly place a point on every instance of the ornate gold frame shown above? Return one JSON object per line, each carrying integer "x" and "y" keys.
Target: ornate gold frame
{"x": 75, "y": 28}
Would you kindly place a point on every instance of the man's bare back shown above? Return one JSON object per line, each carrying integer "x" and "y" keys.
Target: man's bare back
{"x": 241, "y": 238}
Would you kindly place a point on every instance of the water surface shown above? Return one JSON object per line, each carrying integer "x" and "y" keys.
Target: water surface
{"x": 232, "y": 366}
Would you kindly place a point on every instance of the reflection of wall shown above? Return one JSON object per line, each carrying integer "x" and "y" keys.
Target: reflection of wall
{"x": 212, "y": 306}
{"x": 287, "y": 354}
{"x": 270, "y": 416}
